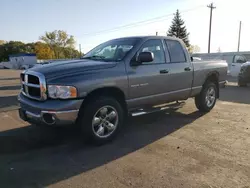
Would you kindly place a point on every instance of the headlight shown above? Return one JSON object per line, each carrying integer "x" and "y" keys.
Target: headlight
{"x": 62, "y": 92}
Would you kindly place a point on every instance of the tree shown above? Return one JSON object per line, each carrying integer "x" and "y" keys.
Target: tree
{"x": 11, "y": 47}
{"x": 178, "y": 29}
{"x": 43, "y": 51}
{"x": 71, "y": 53}
{"x": 194, "y": 49}
{"x": 29, "y": 48}
{"x": 2, "y": 42}
{"x": 58, "y": 40}
{"x": 56, "y": 44}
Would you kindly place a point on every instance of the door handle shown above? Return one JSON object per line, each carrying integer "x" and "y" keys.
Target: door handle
{"x": 233, "y": 65}
{"x": 164, "y": 71}
{"x": 187, "y": 69}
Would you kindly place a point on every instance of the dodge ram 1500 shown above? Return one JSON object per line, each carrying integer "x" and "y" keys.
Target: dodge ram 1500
{"x": 122, "y": 76}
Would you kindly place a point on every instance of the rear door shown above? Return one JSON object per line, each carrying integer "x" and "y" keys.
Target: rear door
{"x": 238, "y": 60}
{"x": 180, "y": 76}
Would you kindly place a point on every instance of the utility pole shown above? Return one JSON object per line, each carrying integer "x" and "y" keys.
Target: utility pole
{"x": 80, "y": 50}
{"x": 239, "y": 37}
{"x": 211, "y": 6}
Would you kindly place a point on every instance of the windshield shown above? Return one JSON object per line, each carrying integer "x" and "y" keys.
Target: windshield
{"x": 114, "y": 50}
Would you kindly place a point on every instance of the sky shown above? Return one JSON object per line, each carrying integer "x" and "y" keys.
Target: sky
{"x": 94, "y": 21}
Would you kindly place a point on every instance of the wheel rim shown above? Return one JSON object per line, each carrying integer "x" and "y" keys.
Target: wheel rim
{"x": 210, "y": 96}
{"x": 105, "y": 121}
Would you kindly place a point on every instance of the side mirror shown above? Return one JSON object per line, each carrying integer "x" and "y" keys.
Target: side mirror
{"x": 145, "y": 57}
{"x": 192, "y": 59}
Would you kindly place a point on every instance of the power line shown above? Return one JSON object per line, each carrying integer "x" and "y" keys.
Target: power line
{"x": 211, "y": 6}
{"x": 144, "y": 22}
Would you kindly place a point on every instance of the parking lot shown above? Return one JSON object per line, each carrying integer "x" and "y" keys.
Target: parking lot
{"x": 168, "y": 149}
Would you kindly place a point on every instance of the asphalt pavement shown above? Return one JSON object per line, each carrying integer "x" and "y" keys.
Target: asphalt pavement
{"x": 182, "y": 148}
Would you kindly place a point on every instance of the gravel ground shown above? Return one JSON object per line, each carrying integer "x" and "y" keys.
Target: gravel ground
{"x": 178, "y": 149}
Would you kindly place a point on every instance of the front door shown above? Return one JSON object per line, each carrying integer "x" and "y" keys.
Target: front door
{"x": 146, "y": 81}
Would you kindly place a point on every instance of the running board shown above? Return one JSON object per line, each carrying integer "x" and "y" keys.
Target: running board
{"x": 158, "y": 108}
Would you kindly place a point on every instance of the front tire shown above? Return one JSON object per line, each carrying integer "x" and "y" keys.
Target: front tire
{"x": 206, "y": 100}
{"x": 101, "y": 120}
{"x": 241, "y": 83}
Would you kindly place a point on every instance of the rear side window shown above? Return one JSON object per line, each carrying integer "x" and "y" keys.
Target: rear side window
{"x": 176, "y": 51}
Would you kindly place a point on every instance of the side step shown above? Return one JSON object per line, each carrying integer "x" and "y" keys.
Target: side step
{"x": 157, "y": 108}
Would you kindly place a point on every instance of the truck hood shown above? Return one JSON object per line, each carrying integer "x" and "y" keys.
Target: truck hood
{"x": 246, "y": 64}
{"x": 59, "y": 69}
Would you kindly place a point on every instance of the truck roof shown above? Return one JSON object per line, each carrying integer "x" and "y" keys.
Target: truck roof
{"x": 150, "y": 37}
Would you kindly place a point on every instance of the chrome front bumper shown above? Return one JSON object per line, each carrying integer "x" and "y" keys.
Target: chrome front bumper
{"x": 57, "y": 118}
{"x": 50, "y": 112}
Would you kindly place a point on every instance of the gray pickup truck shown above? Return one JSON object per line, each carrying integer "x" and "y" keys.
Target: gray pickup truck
{"x": 123, "y": 76}
{"x": 244, "y": 75}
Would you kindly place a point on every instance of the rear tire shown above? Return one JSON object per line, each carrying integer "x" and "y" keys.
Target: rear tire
{"x": 101, "y": 119}
{"x": 206, "y": 100}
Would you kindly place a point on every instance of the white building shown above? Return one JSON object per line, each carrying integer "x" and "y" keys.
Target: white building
{"x": 22, "y": 60}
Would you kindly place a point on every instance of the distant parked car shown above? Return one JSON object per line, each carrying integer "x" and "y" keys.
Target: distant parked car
{"x": 25, "y": 67}
{"x": 196, "y": 59}
{"x": 233, "y": 59}
{"x": 37, "y": 65}
{"x": 244, "y": 75}
{"x": 41, "y": 64}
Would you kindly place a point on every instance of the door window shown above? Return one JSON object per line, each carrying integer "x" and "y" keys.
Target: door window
{"x": 154, "y": 46}
{"x": 176, "y": 51}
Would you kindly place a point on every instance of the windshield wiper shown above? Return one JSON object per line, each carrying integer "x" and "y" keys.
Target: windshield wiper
{"x": 102, "y": 58}
{"x": 94, "y": 57}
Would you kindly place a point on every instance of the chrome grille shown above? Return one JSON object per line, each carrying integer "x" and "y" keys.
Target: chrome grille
{"x": 33, "y": 85}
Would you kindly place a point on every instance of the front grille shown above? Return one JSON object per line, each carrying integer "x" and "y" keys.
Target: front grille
{"x": 22, "y": 77}
{"x": 33, "y": 85}
{"x": 35, "y": 92}
{"x": 33, "y": 79}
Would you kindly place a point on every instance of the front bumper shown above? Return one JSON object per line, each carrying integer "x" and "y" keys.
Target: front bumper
{"x": 49, "y": 112}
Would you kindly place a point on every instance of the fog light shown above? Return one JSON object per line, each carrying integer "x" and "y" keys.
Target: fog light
{"x": 49, "y": 119}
